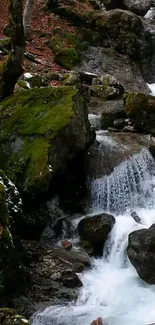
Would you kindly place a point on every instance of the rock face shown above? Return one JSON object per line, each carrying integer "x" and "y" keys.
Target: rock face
{"x": 95, "y": 229}
{"x": 9, "y": 262}
{"x": 141, "y": 252}
{"x": 139, "y": 7}
{"x": 34, "y": 129}
{"x": 140, "y": 108}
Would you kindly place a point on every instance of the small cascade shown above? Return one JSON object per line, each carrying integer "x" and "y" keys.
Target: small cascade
{"x": 128, "y": 186}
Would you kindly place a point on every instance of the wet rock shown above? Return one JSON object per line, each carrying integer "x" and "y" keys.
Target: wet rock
{"x": 48, "y": 235}
{"x": 11, "y": 250}
{"x": 79, "y": 260}
{"x": 135, "y": 216}
{"x": 111, "y": 149}
{"x": 129, "y": 128}
{"x": 95, "y": 229}
{"x": 86, "y": 245}
{"x": 140, "y": 108}
{"x": 66, "y": 245}
{"x": 141, "y": 252}
{"x": 119, "y": 123}
{"x": 98, "y": 321}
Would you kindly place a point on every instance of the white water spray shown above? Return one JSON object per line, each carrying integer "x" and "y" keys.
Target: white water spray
{"x": 129, "y": 186}
{"x": 112, "y": 289}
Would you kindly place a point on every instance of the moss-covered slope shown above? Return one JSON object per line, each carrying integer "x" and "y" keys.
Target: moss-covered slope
{"x": 40, "y": 130}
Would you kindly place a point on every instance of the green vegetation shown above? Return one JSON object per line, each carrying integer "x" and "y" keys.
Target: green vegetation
{"x": 33, "y": 118}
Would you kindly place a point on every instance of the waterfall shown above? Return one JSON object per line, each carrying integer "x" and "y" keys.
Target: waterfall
{"x": 129, "y": 186}
{"x": 112, "y": 289}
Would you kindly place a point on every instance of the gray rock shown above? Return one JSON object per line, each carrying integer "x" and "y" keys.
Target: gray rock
{"x": 141, "y": 252}
{"x": 95, "y": 229}
{"x": 139, "y": 7}
{"x": 110, "y": 112}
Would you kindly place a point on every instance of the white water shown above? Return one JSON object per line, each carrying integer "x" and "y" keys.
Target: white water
{"x": 112, "y": 289}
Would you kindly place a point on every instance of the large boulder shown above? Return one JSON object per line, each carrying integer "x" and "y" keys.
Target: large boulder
{"x": 139, "y": 7}
{"x": 140, "y": 108}
{"x": 41, "y": 130}
{"x": 123, "y": 30}
{"x": 141, "y": 252}
{"x": 95, "y": 229}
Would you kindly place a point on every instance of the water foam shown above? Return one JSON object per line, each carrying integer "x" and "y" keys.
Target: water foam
{"x": 112, "y": 289}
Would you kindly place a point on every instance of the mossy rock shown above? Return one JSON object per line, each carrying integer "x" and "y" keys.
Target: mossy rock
{"x": 122, "y": 30}
{"x": 9, "y": 316}
{"x": 5, "y": 44}
{"x": 140, "y": 108}
{"x": 104, "y": 91}
{"x": 67, "y": 58}
{"x": 66, "y": 48}
{"x": 40, "y": 131}
{"x": 80, "y": 13}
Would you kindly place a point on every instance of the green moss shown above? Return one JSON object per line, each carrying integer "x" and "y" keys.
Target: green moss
{"x": 67, "y": 58}
{"x": 65, "y": 55}
{"x": 141, "y": 109}
{"x": 5, "y": 44}
{"x": 135, "y": 103}
{"x": 33, "y": 117}
{"x": 22, "y": 84}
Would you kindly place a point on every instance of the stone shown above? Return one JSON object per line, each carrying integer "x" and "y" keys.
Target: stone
{"x": 34, "y": 80}
{"x": 140, "y": 108}
{"x": 98, "y": 321}
{"x": 87, "y": 76}
{"x": 95, "y": 229}
{"x": 66, "y": 245}
{"x": 111, "y": 111}
{"x": 34, "y": 153}
{"x": 119, "y": 123}
{"x": 139, "y": 7}
{"x": 135, "y": 216}
{"x": 141, "y": 252}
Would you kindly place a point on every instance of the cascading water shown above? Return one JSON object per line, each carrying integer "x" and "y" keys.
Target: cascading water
{"x": 127, "y": 187}
{"x": 112, "y": 289}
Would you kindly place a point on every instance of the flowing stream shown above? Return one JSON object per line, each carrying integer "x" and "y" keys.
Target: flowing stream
{"x": 112, "y": 289}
